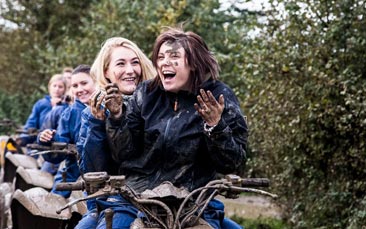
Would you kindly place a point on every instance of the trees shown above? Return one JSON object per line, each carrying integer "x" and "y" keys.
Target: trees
{"x": 59, "y": 34}
{"x": 24, "y": 68}
{"x": 300, "y": 78}
{"x": 307, "y": 110}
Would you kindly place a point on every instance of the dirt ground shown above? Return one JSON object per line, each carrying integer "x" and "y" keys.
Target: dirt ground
{"x": 252, "y": 207}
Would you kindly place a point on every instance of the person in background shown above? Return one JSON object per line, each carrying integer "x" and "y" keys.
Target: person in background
{"x": 51, "y": 122}
{"x": 66, "y": 73}
{"x": 185, "y": 126}
{"x": 122, "y": 65}
{"x": 51, "y": 119}
{"x": 82, "y": 88}
{"x": 56, "y": 89}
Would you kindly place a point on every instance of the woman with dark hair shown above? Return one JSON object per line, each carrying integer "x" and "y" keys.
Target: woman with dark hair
{"x": 82, "y": 87}
{"x": 184, "y": 126}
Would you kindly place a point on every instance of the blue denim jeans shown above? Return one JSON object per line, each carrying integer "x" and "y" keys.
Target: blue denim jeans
{"x": 125, "y": 213}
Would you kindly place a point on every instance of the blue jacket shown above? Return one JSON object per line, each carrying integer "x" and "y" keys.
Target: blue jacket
{"x": 67, "y": 131}
{"x": 52, "y": 117}
{"x": 51, "y": 122}
{"x": 93, "y": 148}
{"x": 93, "y": 145}
{"x": 39, "y": 112}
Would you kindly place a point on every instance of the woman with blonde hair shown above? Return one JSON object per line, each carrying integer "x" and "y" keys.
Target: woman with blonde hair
{"x": 56, "y": 89}
{"x": 119, "y": 66}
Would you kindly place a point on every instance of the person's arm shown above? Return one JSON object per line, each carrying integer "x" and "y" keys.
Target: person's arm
{"x": 62, "y": 134}
{"x": 95, "y": 154}
{"x": 33, "y": 118}
{"x": 227, "y": 141}
{"x": 51, "y": 119}
{"x": 125, "y": 132}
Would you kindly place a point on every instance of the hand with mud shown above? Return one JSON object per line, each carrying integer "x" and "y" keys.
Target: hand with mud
{"x": 209, "y": 108}
{"x": 96, "y": 107}
{"x": 113, "y": 100}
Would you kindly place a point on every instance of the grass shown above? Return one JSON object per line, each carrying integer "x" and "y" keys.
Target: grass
{"x": 260, "y": 223}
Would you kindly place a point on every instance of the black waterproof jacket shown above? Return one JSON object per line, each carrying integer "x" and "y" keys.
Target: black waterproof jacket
{"x": 153, "y": 143}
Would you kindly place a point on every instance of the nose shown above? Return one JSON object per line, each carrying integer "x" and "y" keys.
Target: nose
{"x": 129, "y": 69}
{"x": 166, "y": 61}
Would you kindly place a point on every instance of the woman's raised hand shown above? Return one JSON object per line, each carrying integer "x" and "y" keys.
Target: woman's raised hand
{"x": 209, "y": 108}
{"x": 96, "y": 105}
{"x": 113, "y": 100}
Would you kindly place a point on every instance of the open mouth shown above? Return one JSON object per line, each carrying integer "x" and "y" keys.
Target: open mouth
{"x": 168, "y": 74}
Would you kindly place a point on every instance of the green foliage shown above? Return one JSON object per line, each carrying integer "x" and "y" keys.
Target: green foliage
{"x": 52, "y": 44}
{"x": 301, "y": 80}
{"x": 12, "y": 106}
{"x": 307, "y": 111}
{"x": 142, "y": 21}
{"x": 260, "y": 223}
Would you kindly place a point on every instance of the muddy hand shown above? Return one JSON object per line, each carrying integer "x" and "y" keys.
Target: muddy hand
{"x": 113, "y": 100}
{"x": 96, "y": 107}
{"x": 209, "y": 108}
{"x": 46, "y": 135}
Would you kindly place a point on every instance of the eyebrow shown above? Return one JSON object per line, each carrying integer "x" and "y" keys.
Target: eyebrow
{"x": 122, "y": 59}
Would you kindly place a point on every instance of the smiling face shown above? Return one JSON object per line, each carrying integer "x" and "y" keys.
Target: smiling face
{"x": 82, "y": 86}
{"x": 172, "y": 67}
{"x": 124, "y": 69}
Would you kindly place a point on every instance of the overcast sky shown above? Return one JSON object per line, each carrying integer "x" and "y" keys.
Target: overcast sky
{"x": 252, "y": 4}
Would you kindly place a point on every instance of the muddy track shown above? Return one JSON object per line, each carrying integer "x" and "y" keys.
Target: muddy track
{"x": 252, "y": 207}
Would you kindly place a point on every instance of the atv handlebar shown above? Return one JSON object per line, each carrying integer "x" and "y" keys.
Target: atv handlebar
{"x": 55, "y": 147}
{"x": 98, "y": 184}
{"x": 255, "y": 182}
{"x": 247, "y": 182}
{"x": 70, "y": 186}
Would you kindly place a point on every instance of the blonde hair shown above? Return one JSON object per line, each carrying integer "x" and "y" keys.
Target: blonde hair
{"x": 57, "y": 77}
{"x": 103, "y": 60}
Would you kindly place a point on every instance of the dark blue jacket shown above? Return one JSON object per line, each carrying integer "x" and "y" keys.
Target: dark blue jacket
{"x": 52, "y": 118}
{"x": 67, "y": 131}
{"x": 93, "y": 145}
{"x": 51, "y": 122}
{"x": 35, "y": 120}
{"x": 39, "y": 112}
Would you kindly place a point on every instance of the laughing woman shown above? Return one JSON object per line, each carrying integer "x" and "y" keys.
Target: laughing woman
{"x": 184, "y": 126}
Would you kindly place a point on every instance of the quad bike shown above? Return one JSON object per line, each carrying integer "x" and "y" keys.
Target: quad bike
{"x": 12, "y": 160}
{"x": 8, "y": 140}
{"x": 29, "y": 203}
{"x": 165, "y": 206}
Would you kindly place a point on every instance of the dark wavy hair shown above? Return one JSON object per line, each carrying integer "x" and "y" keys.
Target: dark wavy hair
{"x": 81, "y": 68}
{"x": 200, "y": 59}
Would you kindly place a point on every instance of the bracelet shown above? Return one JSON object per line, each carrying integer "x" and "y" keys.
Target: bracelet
{"x": 208, "y": 129}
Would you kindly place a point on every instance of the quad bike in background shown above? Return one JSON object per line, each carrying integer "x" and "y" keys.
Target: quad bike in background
{"x": 29, "y": 203}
